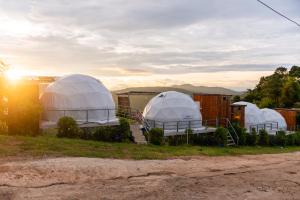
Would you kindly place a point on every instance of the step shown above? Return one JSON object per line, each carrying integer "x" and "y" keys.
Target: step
{"x": 137, "y": 134}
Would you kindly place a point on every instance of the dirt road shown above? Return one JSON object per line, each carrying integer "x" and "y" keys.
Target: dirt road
{"x": 244, "y": 177}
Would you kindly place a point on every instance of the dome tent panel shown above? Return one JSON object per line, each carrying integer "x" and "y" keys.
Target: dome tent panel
{"x": 172, "y": 110}
{"x": 79, "y": 96}
{"x": 274, "y": 117}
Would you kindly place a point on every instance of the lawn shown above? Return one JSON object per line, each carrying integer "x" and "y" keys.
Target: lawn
{"x": 51, "y": 146}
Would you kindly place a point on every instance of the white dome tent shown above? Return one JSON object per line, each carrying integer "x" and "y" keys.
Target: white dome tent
{"x": 275, "y": 119}
{"x": 253, "y": 116}
{"x": 82, "y": 97}
{"x": 174, "y": 112}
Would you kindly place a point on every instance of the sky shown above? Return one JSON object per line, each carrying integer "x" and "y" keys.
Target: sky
{"x": 126, "y": 43}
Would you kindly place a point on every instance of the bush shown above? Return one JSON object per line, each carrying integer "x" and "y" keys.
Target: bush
{"x": 281, "y": 138}
{"x": 3, "y": 128}
{"x": 263, "y": 137}
{"x": 291, "y": 139}
{"x": 241, "y": 132}
{"x": 181, "y": 139}
{"x": 221, "y": 136}
{"x": 24, "y": 117}
{"x": 67, "y": 127}
{"x": 119, "y": 133}
{"x": 297, "y": 138}
{"x": 251, "y": 138}
{"x": 156, "y": 136}
{"x": 272, "y": 140}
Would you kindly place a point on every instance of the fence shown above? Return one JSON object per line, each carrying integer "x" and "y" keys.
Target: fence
{"x": 270, "y": 126}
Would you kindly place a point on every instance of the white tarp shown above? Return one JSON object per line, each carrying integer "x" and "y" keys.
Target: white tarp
{"x": 73, "y": 96}
{"x": 272, "y": 116}
{"x": 173, "y": 110}
{"x": 253, "y": 115}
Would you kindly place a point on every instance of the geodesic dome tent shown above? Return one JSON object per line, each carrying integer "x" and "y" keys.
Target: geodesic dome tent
{"x": 82, "y": 97}
{"x": 275, "y": 118}
{"x": 253, "y": 116}
{"x": 173, "y": 112}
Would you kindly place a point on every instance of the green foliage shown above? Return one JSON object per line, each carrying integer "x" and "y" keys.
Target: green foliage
{"x": 272, "y": 140}
{"x": 281, "y": 89}
{"x": 3, "y": 128}
{"x": 297, "y": 138}
{"x": 294, "y": 71}
{"x": 24, "y": 120}
{"x": 236, "y": 98}
{"x": 156, "y": 136}
{"x": 263, "y": 138}
{"x": 281, "y": 138}
{"x": 221, "y": 136}
{"x": 291, "y": 139}
{"x": 67, "y": 127}
{"x": 267, "y": 102}
{"x": 119, "y": 133}
{"x": 251, "y": 138}
{"x": 290, "y": 93}
{"x": 240, "y": 131}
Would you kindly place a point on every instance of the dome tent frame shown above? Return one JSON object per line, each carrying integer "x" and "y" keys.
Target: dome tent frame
{"x": 81, "y": 97}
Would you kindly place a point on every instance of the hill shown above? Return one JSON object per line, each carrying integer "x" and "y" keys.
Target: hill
{"x": 186, "y": 88}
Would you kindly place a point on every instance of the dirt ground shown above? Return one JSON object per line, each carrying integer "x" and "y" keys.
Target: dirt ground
{"x": 244, "y": 177}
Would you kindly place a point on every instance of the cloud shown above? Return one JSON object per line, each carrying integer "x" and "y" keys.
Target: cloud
{"x": 138, "y": 38}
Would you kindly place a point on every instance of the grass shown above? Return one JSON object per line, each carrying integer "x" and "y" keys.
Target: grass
{"x": 50, "y": 145}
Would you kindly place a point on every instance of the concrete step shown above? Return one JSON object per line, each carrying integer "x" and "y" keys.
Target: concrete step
{"x": 137, "y": 133}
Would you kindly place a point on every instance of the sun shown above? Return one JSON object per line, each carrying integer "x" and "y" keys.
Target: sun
{"x": 13, "y": 75}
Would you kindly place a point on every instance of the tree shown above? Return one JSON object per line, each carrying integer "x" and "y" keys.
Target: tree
{"x": 290, "y": 93}
{"x": 3, "y": 68}
{"x": 295, "y": 71}
{"x": 236, "y": 98}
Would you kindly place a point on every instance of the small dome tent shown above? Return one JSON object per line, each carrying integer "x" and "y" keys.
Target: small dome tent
{"x": 82, "y": 97}
{"x": 253, "y": 115}
{"x": 173, "y": 112}
{"x": 275, "y": 118}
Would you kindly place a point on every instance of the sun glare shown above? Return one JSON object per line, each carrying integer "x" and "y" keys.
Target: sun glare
{"x": 13, "y": 75}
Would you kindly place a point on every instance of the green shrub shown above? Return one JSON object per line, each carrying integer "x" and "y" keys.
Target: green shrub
{"x": 241, "y": 132}
{"x": 175, "y": 140}
{"x": 297, "y": 138}
{"x": 67, "y": 127}
{"x": 263, "y": 138}
{"x": 272, "y": 140}
{"x": 221, "y": 136}
{"x": 156, "y": 136}
{"x": 281, "y": 138}
{"x": 251, "y": 138}
{"x": 3, "y": 128}
{"x": 24, "y": 118}
{"x": 119, "y": 133}
{"x": 291, "y": 139}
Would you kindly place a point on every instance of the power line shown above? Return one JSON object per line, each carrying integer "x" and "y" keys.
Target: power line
{"x": 282, "y": 15}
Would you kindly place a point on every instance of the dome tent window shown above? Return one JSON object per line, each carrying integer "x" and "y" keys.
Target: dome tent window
{"x": 174, "y": 112}
{"x": 81, "y": 97}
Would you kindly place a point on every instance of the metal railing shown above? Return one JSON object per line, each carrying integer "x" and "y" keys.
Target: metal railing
{"x": 82, "y": 116}
{"x": 265, "y": 126}
{"x": 178, "y": 126}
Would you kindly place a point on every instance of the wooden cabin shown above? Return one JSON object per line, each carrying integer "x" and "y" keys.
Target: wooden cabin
{"x": 213, "y": 106}
{"x": 134, "y": 100}
{"x": 290, "y": 116}
{"x": 23, "y": 95}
